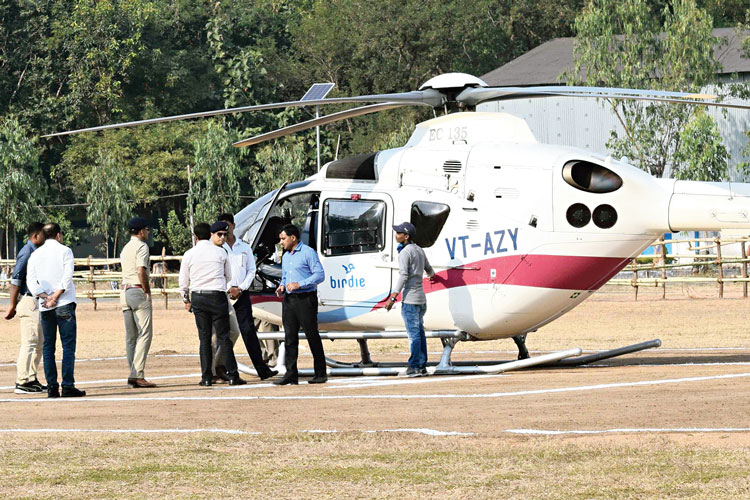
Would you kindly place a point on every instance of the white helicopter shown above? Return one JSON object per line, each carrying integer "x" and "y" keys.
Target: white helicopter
{"x": 519, "y": 232}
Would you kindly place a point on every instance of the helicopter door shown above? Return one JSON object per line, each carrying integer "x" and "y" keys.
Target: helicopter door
{"x": 355, "y": 248}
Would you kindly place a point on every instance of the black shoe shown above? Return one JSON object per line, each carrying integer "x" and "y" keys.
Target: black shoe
{"x": 131, "y": 383}
{"x": 286, "y": 381}
{"x": 237, "y": 381}
{"x": 411, "y": 373}
{"x": 318, "y": 379}
{"x": 72, "y": 392}
{"x": 423, "y": 371}
{"x": 40, "y": 385}
{"x": 269, "y": 374}
{"x": 221, "y": 372}
{"x": 29, "y": 388}
{"x": 205, "y": 383}
{"x": 53, "y": 393}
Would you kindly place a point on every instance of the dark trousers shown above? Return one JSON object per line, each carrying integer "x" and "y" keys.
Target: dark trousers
{"x": 243, "y": 307}
{"x": 211, "y": 310}
{"x": 64, "y": 319}
{"x": 301, "y": 310}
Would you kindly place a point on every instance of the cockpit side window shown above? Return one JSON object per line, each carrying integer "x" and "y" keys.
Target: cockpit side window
{"x": 429, "y": 218}
{"x": 353, "y": 226}
{"x": 591, "y": 177}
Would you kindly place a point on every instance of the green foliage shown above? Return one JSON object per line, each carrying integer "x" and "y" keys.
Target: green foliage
{"x": 72, "y": 236}
{"x": 276, "y": 164}
{"x": 702, "y": 155}
{"x": 21, "y": 186}
{"x": 109, "y": 202}
{"x": 621, "y": 43}
{"x": 216, "y": 175}
{"x": 174, "y": 233}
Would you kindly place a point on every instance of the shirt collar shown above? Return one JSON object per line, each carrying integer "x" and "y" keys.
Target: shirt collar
{"x": 297, "y": 248}
{"x": 32, "y": 245}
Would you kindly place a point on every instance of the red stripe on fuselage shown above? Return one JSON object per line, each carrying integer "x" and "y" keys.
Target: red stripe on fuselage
{"x": 565, "y": 272}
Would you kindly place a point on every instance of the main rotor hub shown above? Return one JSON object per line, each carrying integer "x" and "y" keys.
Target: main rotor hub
{"x": 452, "y": 81}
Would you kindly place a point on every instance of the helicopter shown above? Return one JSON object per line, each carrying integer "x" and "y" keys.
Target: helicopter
{"x": 518, "y": 232}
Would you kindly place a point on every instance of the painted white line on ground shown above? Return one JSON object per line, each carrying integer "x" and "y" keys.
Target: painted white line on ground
{"x": 427, "y": 432}
{"x": 542, "y": 432}
{"x": 404, "y": 381}
{"x": 383, "y": 396}
{"x": 123, "y": 380}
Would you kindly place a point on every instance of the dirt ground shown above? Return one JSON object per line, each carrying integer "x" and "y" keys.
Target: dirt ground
{"x": 666, "y": 423}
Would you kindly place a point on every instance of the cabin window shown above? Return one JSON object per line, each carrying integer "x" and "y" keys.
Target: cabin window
{"x": 300, "y": 209}
{"x": 353, "y": 226}
{"x": 429, "y": 218}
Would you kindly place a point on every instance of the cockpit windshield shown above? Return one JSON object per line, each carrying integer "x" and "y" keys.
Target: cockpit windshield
{"x": 249, "y": 220}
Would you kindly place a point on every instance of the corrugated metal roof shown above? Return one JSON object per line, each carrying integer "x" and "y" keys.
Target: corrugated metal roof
{"x": 544, "y": 64}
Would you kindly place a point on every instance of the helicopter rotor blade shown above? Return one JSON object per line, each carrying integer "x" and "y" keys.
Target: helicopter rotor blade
{"x": 474, "y": 96}
{"x": 428, "y": 97}
{"x": 323, "y": 120}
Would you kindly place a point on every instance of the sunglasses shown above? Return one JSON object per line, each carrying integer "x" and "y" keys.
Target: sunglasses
{"x": 221, "y": 234}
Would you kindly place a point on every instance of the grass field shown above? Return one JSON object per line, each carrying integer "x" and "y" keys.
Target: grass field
{"x": 383, "y": 448}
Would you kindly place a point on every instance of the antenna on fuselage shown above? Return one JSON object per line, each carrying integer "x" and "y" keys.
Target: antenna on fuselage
{"x": 314, "y": 93}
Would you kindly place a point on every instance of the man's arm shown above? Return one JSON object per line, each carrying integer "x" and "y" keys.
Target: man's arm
{"x": 428, "y": 268}
{"x": 184, "y": 279}
{"x": 317, "y": 273}
{"x": 14, "y": 291}
{"x": 144, "y": 261}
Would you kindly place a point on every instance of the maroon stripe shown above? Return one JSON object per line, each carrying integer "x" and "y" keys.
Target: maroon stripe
{"x": 564, "y": 272}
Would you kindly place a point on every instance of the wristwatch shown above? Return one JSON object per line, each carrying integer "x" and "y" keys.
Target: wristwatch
{"x": 393, "y": 299}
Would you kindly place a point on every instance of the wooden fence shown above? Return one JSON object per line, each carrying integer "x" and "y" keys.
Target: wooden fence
{"x": 703, "y": 266}
{"x": 97, "y": 278}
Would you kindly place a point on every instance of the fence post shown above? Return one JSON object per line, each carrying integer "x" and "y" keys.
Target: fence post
{"x": 663, "y": 259}
{"x": 164, "y": 277}
{"x": 91, "y": 280}
{"x": 635, "y": 280}
{"x": 743, "y": 250}
{"x": 717, "y": 240}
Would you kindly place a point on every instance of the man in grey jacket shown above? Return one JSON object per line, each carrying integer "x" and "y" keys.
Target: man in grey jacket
{"x": 412, "y": 264}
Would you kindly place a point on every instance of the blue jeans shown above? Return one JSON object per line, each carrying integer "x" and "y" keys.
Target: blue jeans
{"x": 64, "y": 318}
{"x": 413, "y": 315}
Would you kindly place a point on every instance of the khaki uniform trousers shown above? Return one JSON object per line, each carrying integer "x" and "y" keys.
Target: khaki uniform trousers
{"x": 137, "y": 312}
{"x": 234, "y": 334}
{"x": 270, "y": 347}
{"x": 30, "y": 353}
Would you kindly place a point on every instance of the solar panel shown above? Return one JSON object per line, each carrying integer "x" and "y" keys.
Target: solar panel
{"x": 317, "y": 91}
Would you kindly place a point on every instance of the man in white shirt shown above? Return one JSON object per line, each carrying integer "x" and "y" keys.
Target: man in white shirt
{"x": 241, "y": 320}
{"x": 204, "y": 274}
{"x": 49, "y": 277}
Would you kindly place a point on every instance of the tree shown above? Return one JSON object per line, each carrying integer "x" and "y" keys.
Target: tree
{"x": 109, "y": 201}
{"x": 702, "y": 155}
{"x": 216, "y": 175}
{"x": 621, "y": 43}
{"x": 21, "y": 185}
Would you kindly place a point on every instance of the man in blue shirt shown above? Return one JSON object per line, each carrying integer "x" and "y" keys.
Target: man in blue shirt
{"x": 30, "y": 352}
{"x": 301, "y": 272}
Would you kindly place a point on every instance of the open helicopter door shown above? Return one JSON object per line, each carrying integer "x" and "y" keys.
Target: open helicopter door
{"x": 356, "y": 248}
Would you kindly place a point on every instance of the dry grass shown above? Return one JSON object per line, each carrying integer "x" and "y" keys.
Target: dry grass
{"x": 356, "y": 465}
{"x": 395, "y": 465}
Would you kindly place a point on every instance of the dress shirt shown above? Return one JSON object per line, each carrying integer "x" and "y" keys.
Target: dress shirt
{"x": 302, "y": 266}
{"x": 134, "y": 255}
{"x": 243, "y": 264}
{"x": 204, "y": 267}
{"x": 18, "y": 277}
{"x": 50, "y": 268}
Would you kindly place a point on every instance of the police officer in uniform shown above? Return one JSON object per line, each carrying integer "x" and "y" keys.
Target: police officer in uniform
{"x": 135, "y": 300}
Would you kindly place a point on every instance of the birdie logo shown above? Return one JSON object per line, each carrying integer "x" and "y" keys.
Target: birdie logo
{"x": 348, "y": 281}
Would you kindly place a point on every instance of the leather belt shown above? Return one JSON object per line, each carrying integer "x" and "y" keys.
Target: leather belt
{"x": 128, "y": 287}
{"x": 208, "y": 292}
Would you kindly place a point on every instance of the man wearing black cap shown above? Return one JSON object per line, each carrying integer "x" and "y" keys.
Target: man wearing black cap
{"x": 204, "y": 274}
{"x": 412, "y": 264}
{"x": 135, "y": 300}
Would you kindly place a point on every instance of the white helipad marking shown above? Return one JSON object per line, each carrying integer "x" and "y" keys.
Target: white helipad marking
{"x": 428, "y": 432}
{"x": 384, "y": 396}
{"x": 542, "y": 432}
{"x": 419, "y": 380}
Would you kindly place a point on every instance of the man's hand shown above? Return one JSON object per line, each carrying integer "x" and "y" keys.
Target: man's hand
{"x": 148, "y": 296}
{"x": 11, "y": 313}
{"x": 389, "y": 303}
{"x": 50, "y": 302}
{"x": 280, "y": 291}
{"x": 187, "y": 306}
{"x": 290, "y": 287}
{"x": 235, "y": 292}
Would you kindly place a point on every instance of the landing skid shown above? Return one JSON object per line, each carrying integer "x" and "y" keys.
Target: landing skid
{"x": 570, "y": 357}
